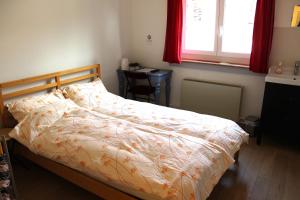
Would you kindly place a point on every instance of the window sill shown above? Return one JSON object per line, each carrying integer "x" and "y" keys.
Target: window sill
{"x": 216, "y": 63}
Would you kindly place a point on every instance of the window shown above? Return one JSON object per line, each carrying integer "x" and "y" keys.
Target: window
{"x": 218, "y": 30}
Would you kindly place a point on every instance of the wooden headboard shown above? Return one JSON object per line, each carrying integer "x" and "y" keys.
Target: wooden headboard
{"x": 49, "y": 81}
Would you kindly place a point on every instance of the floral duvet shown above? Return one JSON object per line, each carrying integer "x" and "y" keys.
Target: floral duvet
{"x": 154, "y": 159}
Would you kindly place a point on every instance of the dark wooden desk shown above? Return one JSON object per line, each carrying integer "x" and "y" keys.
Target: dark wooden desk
{"x": 156, "y": 78}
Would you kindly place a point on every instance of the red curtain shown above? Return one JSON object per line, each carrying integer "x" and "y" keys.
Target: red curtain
{"x": 262, "y": 36}
{"x": 173, "y": 40}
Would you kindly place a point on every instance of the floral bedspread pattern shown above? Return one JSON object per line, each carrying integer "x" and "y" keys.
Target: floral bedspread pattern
{"x": 163, "y": 163}
{"x": 225, "y": 133}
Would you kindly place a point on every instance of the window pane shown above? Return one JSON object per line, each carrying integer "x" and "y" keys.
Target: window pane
{"x": 200, "y": 25}
{"x": 238, "y": 26}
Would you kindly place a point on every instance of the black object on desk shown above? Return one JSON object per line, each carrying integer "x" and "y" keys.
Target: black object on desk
{"x": 154, "y": 70}
{"x": 156, "y": 78}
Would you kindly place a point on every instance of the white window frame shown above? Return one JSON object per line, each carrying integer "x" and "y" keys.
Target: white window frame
{"x": 216, "y": 56}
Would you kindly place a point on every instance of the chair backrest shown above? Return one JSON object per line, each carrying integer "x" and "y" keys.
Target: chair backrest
{"x": 132, "y": 76}
{"x": 136, "y": 75}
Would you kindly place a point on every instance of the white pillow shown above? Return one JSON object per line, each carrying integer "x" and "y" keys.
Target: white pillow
{"x": 41, "y": 118}
{"x": 20, "y": 108}
{"x": 87, "y": 95}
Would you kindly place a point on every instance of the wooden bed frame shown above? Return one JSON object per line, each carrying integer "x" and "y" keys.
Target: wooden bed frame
{"x": 49, "y": 82}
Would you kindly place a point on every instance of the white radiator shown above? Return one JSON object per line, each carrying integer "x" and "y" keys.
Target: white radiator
{"x": 210, "y": 98}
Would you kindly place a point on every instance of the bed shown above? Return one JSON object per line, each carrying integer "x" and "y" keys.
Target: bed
{"x": 122, "y": 156}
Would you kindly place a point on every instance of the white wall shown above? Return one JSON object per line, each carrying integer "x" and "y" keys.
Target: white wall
{"x": 284, "y": 12}
{"x": 149, "y": 17}
{"x": 41, "y": 36}
{"x": 286, "y": 40}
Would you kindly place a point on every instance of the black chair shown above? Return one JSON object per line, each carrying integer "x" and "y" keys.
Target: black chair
{"x": 135, "y": 88}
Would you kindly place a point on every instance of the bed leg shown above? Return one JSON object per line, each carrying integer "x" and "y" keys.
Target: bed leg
{"x": 236, "y": 157}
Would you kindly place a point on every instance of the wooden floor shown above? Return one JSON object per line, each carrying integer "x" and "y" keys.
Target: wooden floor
{"x": 270, "y": 171}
